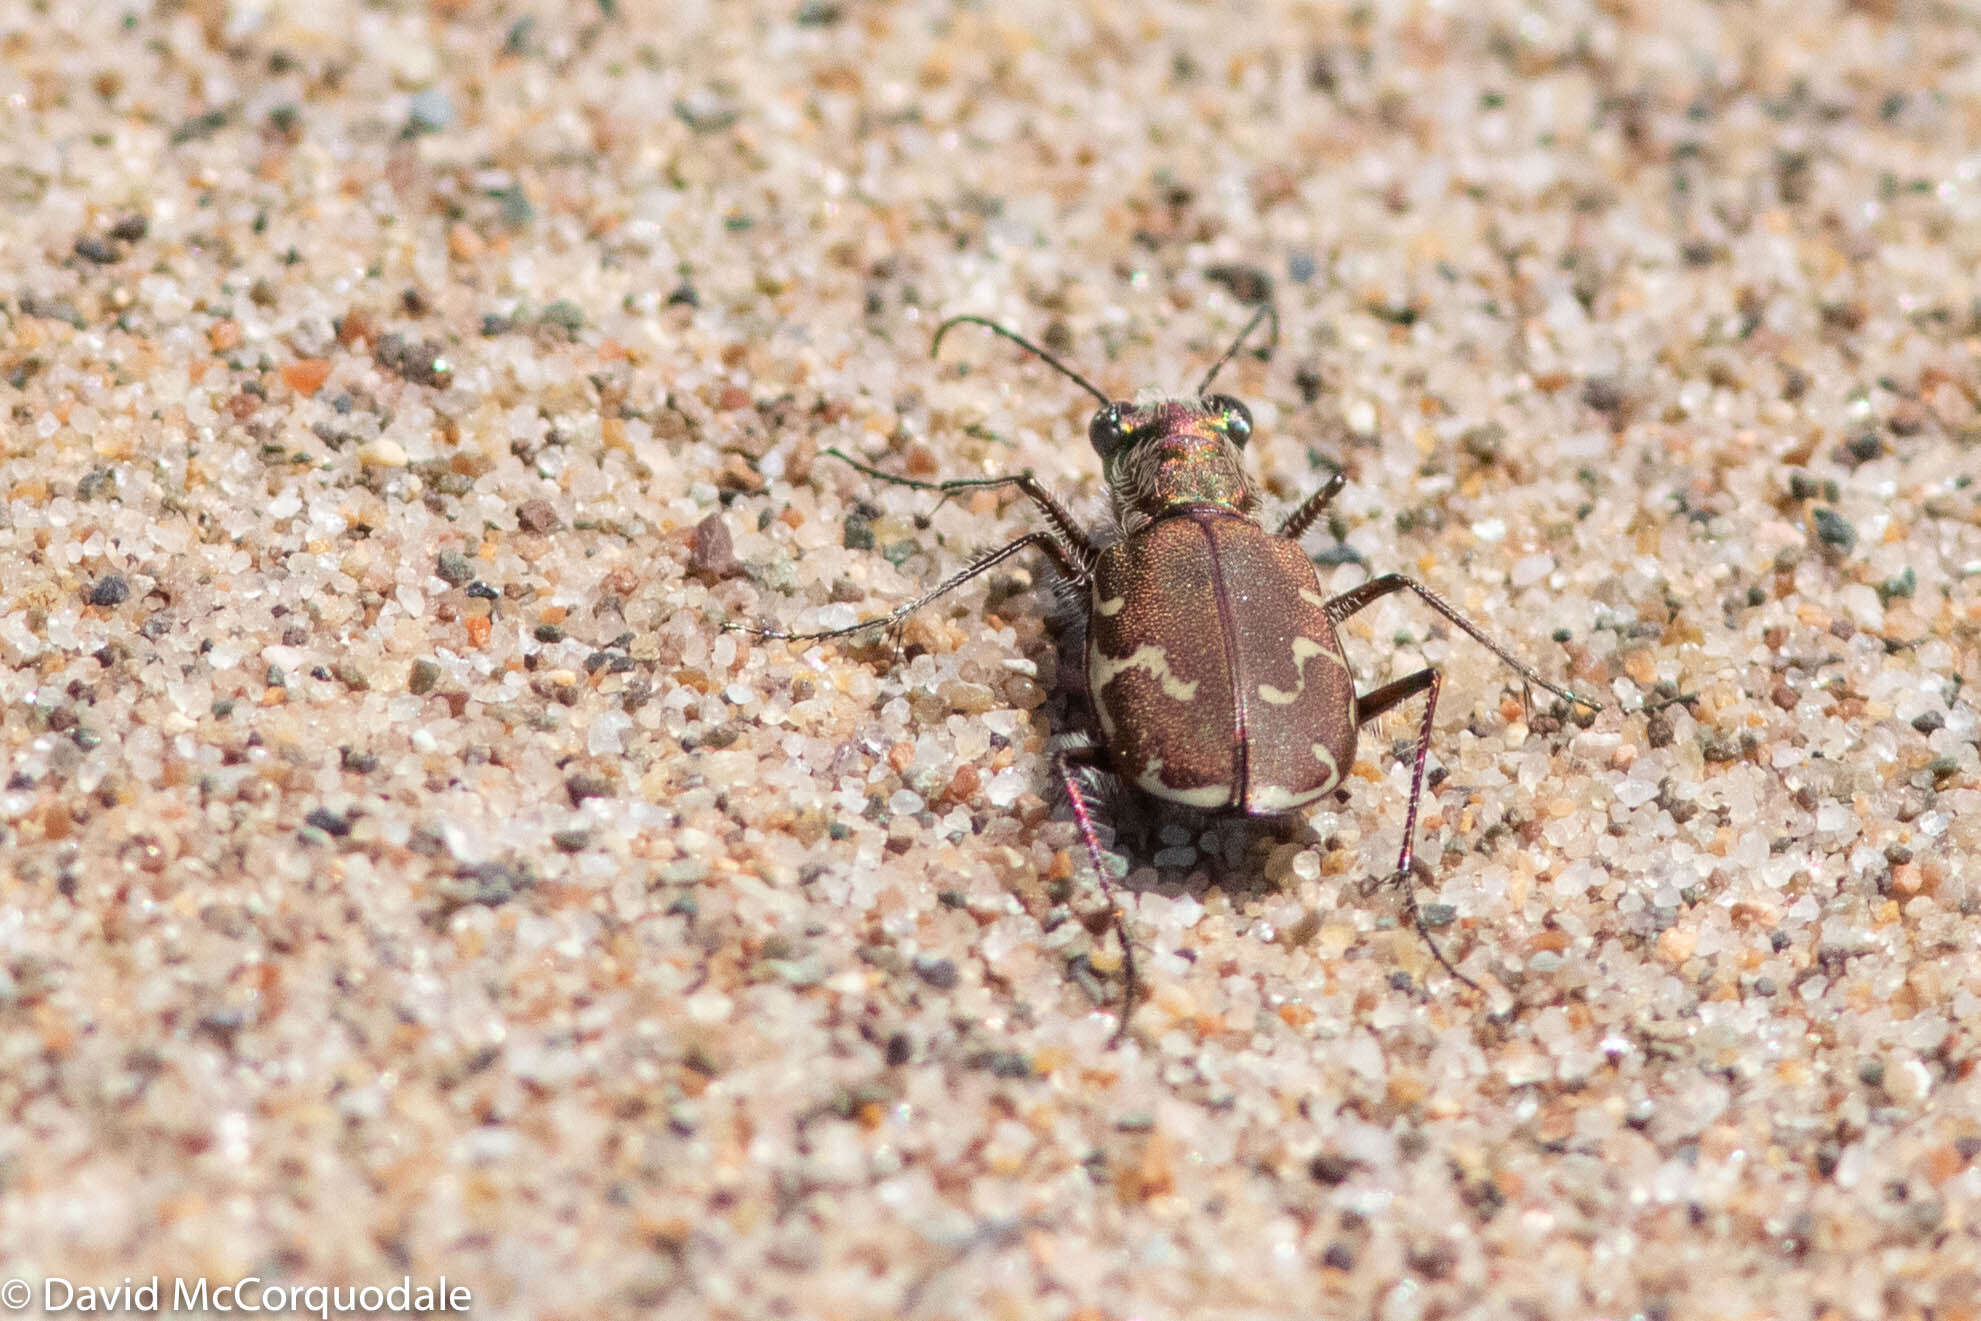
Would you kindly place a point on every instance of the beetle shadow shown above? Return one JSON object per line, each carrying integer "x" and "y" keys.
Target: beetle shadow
{"x": 1173, "y": 851}
{"x": 1170, "y": 849}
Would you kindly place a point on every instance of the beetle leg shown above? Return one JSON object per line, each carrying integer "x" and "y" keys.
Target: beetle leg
{"x": 1370, "y": 707}
{"x": 1384, "y": 699}
{"x": 1430, "y": 941}
{"x": 1067, "y": 762}
{"x": 1062, "y": 522}
{"x": 1375, "y": 589}
{"x": 1311, "y": 508}
{"x": 1045, "y": 541}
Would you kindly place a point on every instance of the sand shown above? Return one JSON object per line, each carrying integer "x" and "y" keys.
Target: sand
{"x": 402, "y": 875}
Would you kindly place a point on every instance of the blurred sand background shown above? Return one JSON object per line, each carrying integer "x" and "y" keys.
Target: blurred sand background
{"x": 400, "y": 874}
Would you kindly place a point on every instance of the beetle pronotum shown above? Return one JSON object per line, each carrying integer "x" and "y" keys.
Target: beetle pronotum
{"x": 1213, "y": 664}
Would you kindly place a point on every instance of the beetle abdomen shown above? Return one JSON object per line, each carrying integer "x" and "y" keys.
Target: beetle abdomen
{"x": 1214, "y": 667}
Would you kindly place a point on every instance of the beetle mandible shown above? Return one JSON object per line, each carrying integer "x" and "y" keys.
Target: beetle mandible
{"x": 1214, "y": 666}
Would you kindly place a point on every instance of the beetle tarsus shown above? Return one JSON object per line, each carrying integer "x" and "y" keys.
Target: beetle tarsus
{"x": 897, "y": 618}
{"x": 1076, "y": 552}
{"x": 1083, "y": 820}
{"x": 1373, "y": 706}
{"x": 1424, "y": 933}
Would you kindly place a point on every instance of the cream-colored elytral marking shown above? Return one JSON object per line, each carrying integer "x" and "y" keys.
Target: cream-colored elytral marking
{"x": 1150, "y": 781}
{"x": 1101, "y": 671}
{"x": 1111, "y": 607}
{"x": 1312, "y": 599}
{"x": 1272, "y": 798}
{"x": 1304, "y": 650}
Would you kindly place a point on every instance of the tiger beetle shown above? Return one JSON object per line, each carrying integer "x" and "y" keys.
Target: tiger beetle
{"x": 1214, "y": 666}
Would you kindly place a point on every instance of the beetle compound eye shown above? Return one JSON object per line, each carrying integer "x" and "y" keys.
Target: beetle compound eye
{"x": 1237, "y": 418}
{"x": 1104, "y": 432}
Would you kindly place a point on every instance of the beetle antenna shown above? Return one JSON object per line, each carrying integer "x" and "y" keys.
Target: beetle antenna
{"x": 935, "y": 346}
{"x": 1265, "y": 310}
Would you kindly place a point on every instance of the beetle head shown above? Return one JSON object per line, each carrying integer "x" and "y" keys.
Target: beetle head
{"x": 1162, "y": 454}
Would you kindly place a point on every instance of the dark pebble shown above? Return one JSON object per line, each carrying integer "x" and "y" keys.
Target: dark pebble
{"x": 581, "y": 787}
{"x": 538, "y": 516}
{"x": 939, "y": 973}
{"x": 1248, "y": 284}
{"x": 329, "y": 822}
{"x": 1833, "y": 531}
{"x": 422, "y": 363}
{"x": 455, "y": 568}
{"x": 1863, "y": 448}
{"x": 1330, "y": 1168}
{"x": 1010, "y": 1064}
{"x": 55, "y": 309}
{"x": 488, "y": 883}
{"x": 99, "y": 250}
{"x": 110, "y": 590}
{"x": 425, "y": 677}
{"x": 97, "y": 484}
{"x": 564, "y": 315}
{"x": 712, "y": 554}
{"x": 1603, "y": 393}
{"x": 1437, "y": 915}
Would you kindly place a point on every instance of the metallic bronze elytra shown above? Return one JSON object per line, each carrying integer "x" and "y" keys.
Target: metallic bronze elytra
{"x": 1214, "y": 669}
{"x": 1213, "y": 663}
